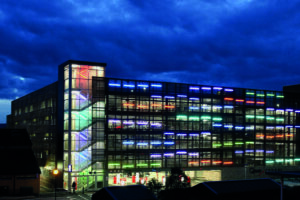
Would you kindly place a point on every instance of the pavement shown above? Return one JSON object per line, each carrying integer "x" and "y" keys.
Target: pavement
{"x": 52, "y": 195}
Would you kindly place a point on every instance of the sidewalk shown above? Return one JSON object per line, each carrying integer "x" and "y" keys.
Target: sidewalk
{"x": 17, "y": 197}
{"x": 40, "y": 196}
{"x": 49, "y": 195}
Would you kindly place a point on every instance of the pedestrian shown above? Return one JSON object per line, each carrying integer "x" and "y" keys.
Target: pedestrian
{"x": 74, "y": 186}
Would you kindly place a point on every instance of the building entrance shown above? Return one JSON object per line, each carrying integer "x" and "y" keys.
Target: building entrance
{"x": 89, "y": 182}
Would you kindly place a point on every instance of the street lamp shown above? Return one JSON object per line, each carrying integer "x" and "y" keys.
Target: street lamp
{"x": 55, "y": 173}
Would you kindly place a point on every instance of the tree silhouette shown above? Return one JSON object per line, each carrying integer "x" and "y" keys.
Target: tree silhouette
{"x": 177, "y": 179}
{"x": 154, "y": 186}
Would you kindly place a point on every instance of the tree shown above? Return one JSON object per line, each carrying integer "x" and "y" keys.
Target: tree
{"x": 154, "y": 186}
{"x": 177, "y": 179}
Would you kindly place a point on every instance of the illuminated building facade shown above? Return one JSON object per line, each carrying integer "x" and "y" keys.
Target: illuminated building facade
{"x": 120, "y": 132}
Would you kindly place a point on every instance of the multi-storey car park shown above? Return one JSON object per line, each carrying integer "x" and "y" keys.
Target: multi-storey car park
{"x": 109, "y": 131}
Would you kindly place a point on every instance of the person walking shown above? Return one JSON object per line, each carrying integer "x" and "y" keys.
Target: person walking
{"x": 74, "y": 187}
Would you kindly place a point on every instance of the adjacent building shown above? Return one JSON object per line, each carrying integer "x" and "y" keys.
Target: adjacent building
{"x": 101, "y": 131}
{"x": 19, "y": 170}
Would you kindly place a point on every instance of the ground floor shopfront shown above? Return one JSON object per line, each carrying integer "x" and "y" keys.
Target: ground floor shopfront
{"x": 94, "y": 181}
{"x": 122, "y": 179}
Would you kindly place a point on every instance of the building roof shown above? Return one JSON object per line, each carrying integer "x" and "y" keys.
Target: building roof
{"x": 130, "y": 192}
{"x": 238, "y": 189}
{"x": 284, "y": 173}
{"x": 240, "y": 186}
{"x": 79, "y": 62}
{"x": 16, "y": 153}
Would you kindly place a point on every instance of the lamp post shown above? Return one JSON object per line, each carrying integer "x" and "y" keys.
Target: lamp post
{"x": 55, "y": 172}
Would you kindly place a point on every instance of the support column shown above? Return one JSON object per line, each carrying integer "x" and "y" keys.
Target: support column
{"x": 105, "y": 179}
{"x": 281, "y": 188}
{"x": 87, "y": 182}
{"x": 96, "y": 183}
{"x": 69, "y": 128}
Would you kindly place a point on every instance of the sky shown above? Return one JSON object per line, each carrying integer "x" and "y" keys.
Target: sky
{"x": 236, "y": 43}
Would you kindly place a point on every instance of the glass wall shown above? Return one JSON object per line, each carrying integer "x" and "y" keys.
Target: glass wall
{"x": 164, "y": 125}
{"x": 78, "y": 119}
{"x": 139, "y": 177}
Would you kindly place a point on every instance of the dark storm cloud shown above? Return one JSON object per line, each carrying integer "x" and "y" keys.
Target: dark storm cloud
{"x": 239, "y": 43}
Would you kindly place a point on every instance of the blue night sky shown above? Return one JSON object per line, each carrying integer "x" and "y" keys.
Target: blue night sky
{"x": 237, "y": 43}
